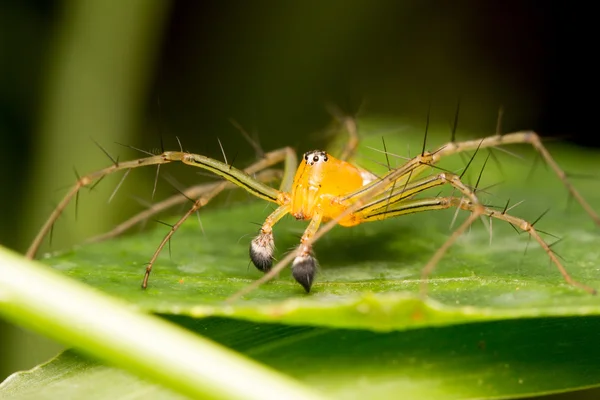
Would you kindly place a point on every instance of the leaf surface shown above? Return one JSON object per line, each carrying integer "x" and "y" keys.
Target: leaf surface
{"x": 504, "y": 359}
{"x": 370, "y": 274}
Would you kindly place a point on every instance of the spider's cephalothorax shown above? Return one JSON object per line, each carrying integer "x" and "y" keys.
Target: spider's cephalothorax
{"x": 319, "y": 180}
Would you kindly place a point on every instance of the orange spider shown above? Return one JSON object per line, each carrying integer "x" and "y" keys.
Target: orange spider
{"x": 325, "y": 188}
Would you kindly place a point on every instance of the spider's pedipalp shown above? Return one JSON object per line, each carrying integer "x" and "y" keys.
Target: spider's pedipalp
{"x": 262, "y": 246}
{"x": 304, "y": 269}
{"x": 304, "y": 266}
{"x": 261, "y": 251}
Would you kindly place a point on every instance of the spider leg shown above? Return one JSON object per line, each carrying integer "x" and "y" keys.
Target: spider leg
{"x": 376, "y": 207}
{"x": 399, "y": 204}
{"x": 231, "y": 174}
{"x": 351, "y": 145}
{"x": 195, "y": 192}
{"x": 89, "y": 179}
{"x": 416, "y": 166}
{"x": 523, "y": 137}
{"x": 380, "y": 204}
{"x": 348, "y": 124}
{"x": 156, "y": 208}
{"x": 304, "y": 266}
{"x": 235, "y": 176}
{"x": 202, "y": 201}
{"x": 263, "y": 245}
{"x": 255, "y": 187}
{"x": 404, "y": 207}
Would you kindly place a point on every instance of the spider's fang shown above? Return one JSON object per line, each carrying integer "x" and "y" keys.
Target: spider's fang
{"x": 261, "y": 251}
{"x": 304, "y": 269}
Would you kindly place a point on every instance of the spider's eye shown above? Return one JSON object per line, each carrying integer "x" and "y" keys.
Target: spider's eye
{"x": 325, "y": 157}
{"x": 306, "y": 156}
{"x": 316, "y": 158}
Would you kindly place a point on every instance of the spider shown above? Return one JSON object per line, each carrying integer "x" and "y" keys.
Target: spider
{"x": 325, "y": 188}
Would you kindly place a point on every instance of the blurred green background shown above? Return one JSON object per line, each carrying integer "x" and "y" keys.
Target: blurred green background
{"x": 135, "y": 71}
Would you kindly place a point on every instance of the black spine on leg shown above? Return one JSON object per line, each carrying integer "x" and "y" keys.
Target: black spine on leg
{"x": 304, "y": 270}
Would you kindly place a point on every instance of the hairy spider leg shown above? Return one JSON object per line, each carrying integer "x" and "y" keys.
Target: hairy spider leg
{"x": 193, "y": 192}
{"x": 401, "y": 204}
{"x": 352, "y": 144}
{"x": 399, "y": 177}
{"x": 87, "y": 180}
{"x": 235, "y": 176}
{"x": 440, "y": 203}
{"x": 522, "y": 137}
{"x": 380, "y": 209}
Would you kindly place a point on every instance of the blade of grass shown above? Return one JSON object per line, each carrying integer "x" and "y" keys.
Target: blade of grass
{"x": 42, "y": 300}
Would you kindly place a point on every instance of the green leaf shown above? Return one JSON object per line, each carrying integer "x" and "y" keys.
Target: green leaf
{"x": 505, "y": 359}
{"x": 71, "y": 376}
{"x": 369, "y": 276}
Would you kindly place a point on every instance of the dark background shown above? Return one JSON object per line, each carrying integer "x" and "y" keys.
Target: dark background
{"x": 273, "y": 66}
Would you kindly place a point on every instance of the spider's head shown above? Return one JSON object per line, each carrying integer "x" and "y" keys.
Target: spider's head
{"x": 325, "y": 174}
{"x": 315, "y": 157}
